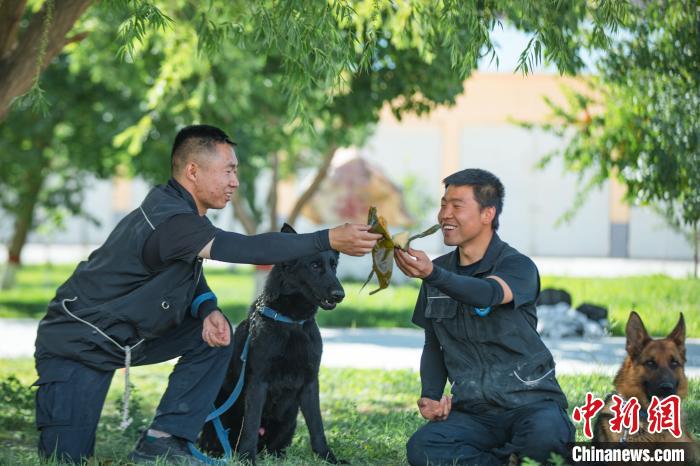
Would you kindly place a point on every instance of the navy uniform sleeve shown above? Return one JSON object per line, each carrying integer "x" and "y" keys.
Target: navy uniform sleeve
{"x": 433, "y": 373}
{"x": 181, "y": 237}
{"x": 267, "y": 248}
{"x": 522, "y": 277}
{"x": 432, "y": 363}
{"x": 479, "y": 292}
{"x": 419, "y": 310}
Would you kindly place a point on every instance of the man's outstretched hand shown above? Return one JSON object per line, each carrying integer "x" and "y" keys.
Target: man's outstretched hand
{"x": 353, "y": 239}
{"x": 435, "y": 410}
{"x": 216, "y": 330}
{"x": 413, "y": 263}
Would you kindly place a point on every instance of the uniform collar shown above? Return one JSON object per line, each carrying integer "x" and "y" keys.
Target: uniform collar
{"x": 183, "y": 193}
{"x": 489, "y": 260}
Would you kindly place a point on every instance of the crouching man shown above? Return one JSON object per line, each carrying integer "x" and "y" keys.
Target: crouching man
{"x": 477, "y": 306}
{"x": 142, "y": 298}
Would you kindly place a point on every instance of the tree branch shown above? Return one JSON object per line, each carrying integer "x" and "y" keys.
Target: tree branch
{"x": 696, "y": 248}
{"x": 9, "y": 24}
{"x": 76, "y": 38}
{"x": 314, "y": 186}
{"x": 19, "y": 69}
{"x": 272, "y": 194}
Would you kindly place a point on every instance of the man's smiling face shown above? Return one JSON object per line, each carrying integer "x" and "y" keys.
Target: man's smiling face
{"x": 461, "y": 217}
{"x": 218, "y": 177}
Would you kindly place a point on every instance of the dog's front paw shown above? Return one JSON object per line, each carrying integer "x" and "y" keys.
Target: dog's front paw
{"x": 247, "y": 456}
{"x": 329, "y": 457}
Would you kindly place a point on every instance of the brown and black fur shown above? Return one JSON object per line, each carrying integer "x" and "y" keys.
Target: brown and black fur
{"x": 653, "y": 367}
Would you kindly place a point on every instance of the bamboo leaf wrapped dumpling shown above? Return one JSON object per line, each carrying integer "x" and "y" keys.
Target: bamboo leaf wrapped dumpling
{"x": 383, "y": 251}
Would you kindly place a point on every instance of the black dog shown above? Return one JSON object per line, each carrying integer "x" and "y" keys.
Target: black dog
{"x": 281, "y": 375}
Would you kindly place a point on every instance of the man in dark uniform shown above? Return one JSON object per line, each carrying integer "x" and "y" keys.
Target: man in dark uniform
{"x": 141, "y": 298}
{"x": 477, "y": 306}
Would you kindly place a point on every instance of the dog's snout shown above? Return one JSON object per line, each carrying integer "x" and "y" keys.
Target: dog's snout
{"x": 666, "y": 389}
{"x": 338, "y": 295}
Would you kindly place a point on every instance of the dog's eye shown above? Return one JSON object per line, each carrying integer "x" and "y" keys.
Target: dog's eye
{"x": 315, "y": 265}
{"x": 674, "y": 363}
{"x": 651, "y": 364}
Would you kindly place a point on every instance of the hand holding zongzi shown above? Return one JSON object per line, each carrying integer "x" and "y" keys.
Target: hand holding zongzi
{"x": 353, "y": 239}
{"x": 383, "y": 252}
{"x": 414, "y": 263}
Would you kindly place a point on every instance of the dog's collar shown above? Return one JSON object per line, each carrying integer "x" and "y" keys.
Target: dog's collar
{"x": 642, "y": 414}
{"x": 274, "y": 315}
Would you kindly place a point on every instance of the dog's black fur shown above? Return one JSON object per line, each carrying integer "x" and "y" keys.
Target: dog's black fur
{"x": 281, "y": 375}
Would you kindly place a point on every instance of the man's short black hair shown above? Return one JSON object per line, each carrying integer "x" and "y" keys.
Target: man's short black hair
{"x": 488, "y": 189}
{"x": 195, "y": 139}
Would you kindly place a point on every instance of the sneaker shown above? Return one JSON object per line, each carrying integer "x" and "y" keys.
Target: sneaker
{"x": 166, "y": 449}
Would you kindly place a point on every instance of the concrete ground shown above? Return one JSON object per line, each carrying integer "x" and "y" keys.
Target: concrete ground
{"x": 397, "y": 349}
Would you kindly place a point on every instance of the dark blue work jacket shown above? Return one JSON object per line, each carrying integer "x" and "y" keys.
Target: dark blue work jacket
{"x": 114, "y": 291}
{"x": 496, "y": 360}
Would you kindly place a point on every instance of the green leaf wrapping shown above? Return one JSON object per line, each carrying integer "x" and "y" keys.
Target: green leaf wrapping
{"x": 383, "y": 251}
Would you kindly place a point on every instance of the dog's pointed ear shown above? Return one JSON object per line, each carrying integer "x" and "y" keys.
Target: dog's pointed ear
{"x": 287, "y": 228}
{"x": 678, "y": 334}
{"x": 637, "y": 335}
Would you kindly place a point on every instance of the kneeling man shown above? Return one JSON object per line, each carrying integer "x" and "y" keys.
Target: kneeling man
{"x": 477, "y": 306}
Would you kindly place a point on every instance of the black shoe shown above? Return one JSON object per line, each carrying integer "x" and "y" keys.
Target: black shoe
{"x": 167, "y": 449}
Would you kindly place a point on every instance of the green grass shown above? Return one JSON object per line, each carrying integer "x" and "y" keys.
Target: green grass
{"x": 368, "y": 414}
{"x": 657, "y": 298}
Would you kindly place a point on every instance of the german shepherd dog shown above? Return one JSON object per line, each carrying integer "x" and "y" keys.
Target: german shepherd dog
{"x": 651, "y": 368}
{"x": 281, "y": 375}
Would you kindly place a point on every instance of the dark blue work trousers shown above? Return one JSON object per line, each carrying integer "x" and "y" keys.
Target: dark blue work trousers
{"x": 489, "y": 438}
{"x": 71, "y": 395}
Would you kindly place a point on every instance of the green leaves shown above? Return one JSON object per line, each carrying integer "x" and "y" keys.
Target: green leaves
{"x": 640, "y": 120}
{"x": 142, "y": 17}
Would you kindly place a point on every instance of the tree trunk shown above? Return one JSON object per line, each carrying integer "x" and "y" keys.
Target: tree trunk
{"x": 696, "y": 247}
{"x": 272, "y": 194}
{"x": 314, "y": 186}
{"x": 23, "y": 56}
{"x": 240, "y": 212}
{"x": 23, "y": 225}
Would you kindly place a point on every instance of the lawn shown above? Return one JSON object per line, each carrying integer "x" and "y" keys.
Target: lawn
{"x": 368, "y": 414}
{"x": 657, "y": 298}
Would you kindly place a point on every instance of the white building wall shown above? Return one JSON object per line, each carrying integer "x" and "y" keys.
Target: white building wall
{"x": 651, "y": 238}
{"x": 536, "y": 199}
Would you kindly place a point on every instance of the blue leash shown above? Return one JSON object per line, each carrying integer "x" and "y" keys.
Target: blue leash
{"x": 215, "y": 416}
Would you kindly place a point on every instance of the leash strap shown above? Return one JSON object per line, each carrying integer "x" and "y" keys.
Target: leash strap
{"x": 215, "y": 416}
